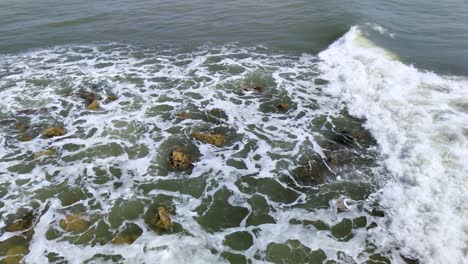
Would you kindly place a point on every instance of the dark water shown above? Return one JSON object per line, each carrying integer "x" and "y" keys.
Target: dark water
{"x": 344, "y": 128}
{"x": 433, "y": 35}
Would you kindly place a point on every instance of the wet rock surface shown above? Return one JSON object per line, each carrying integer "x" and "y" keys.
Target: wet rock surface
{"x": 45, "y": 153}
{"x": 53, "y": 132}
{"x": 127, "y": 236}
{"x": 179, "y": 160}
{"x": 162, "y": 220}
{"x": 283, "y": 106}
{"x": 75, "y": 223}
{"x": 217, "y": 140}
{"x": 22, "y": 224}
{"x": 110, "y": 98}
{"x": 94, "y": 105}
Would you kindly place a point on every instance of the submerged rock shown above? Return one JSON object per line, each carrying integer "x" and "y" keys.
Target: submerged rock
{"x": 7, "y": 121}
{"x": 162, "y": 219}
{"x": 283, "y": 106}
{"x": 213, "y": 139}
{"x": 184, "y": 115}
{"x": 122, "y": 239}
{"x": 22, "y": 224}
{"x": 15, "y": 254}
{"x": 75, "y": 223}
{"x": 94, "y": 105}
{"x": 309, "y": 175}
{"x": 89, "y": 97}
{"x": 47, "y": 152}
{"x": 33, "y": 111}
{"x": 20, "y": 127}
{"x": 180, "y": 160}
{"x": 53, "y": 132}
{"x": 110, "y": 98}
{"x": 25, "y": 137}
{"x": 128, "y": 236}
{"x": 344, "y": 138}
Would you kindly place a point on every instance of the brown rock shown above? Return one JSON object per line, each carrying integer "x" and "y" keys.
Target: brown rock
{"x": 94, "y": 105}
{"x": 283, "y": 106}
{"x": 213, "y": 139}
{"x": 180, "y": 161}
{"x": 183, "y": 115}
{"x": 53, "y": 132}
{"x": 22, "y": 224}
{"x": 162, "y": 219}
{"x": 110, "y": 98}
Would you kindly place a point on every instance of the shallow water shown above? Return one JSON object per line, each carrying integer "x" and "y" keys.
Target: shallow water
{"x": 335, "y": 150}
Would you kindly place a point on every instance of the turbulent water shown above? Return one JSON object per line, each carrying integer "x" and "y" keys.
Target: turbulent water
{"x": 341, "y": 152}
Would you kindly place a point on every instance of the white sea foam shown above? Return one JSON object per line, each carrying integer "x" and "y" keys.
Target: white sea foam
{"x": 420, "y": 122}
{"x": 380, "y": 29}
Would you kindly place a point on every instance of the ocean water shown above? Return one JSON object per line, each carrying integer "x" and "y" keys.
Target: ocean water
{"x": 345, "y": 128}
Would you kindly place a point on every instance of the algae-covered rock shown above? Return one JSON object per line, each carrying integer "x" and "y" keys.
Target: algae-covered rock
{"x": 293, "y": 251}
{"x": 75, "y": 223}
{"x": 15, "y": 254}
{"x": 239, "y": 240}
{"x": 180, "y": 160}
{"x": 110, "y": 98}
{"x": 131, "y": 233}
{"x": 24, "y": 137}
{"x": 53, "y": 132}
{"x": 343, "y": 231}
{"x": 162, "y": 219}
{"x": 47, "y": 152}
{"x": 213, "y": 139}
{"x": 22, "y": 224}
{"x": 283, "y": 106}
{"x": 94, "y": 105}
